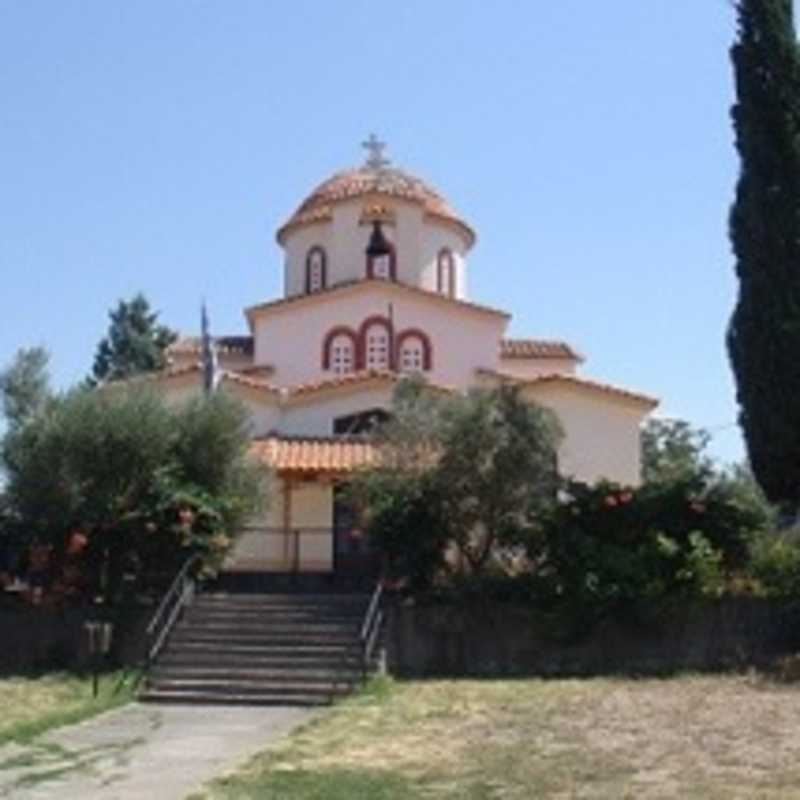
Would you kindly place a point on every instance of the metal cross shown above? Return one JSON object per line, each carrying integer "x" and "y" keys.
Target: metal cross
{"x": 375, "y": 147}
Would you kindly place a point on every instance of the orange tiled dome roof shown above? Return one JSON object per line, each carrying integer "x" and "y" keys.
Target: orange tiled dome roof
{"x": 368, "y": 180}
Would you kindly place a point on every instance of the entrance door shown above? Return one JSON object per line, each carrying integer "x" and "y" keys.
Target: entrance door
{"x": 352, "y": 555}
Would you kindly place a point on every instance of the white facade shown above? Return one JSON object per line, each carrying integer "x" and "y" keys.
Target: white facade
{"x": 355, "y": 315}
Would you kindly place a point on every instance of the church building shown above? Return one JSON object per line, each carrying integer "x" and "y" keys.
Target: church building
{"x": 376, "y": 268}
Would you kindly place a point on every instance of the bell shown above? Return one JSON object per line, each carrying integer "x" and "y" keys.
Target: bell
{"x": 378, "y": 245}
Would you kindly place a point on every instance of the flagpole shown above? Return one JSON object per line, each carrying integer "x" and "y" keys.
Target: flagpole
{"x": 392, "y": 355}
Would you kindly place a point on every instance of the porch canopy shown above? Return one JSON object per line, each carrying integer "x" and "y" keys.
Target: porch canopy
{"x": 307, "y": 528}
{"x": 305, "y": 457}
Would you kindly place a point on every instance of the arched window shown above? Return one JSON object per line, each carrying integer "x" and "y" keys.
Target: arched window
{"x": 376, "y": 347}
{"x": 339, "y": 351}
{"x": 414, "y": 352}
{"x": 411, "y": 355}
{"x": 316, "y": 269}
{"x": 343, "y": 355}
{"x": 375, "y": 339}
{"x": 446, "y": 272}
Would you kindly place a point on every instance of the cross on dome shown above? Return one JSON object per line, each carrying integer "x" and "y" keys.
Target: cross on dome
{"x": 375, "y": 158}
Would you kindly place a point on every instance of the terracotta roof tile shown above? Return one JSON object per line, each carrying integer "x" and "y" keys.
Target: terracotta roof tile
{"x": 314, "y": 454}
{"x": 248, "y": 380}
{"x": 350, "y": 379}
{"x": 343, "y": 286}
{"x": 537, "y": 348}
{"x": 366, "y": 181}
{"x": 585, "y": 383}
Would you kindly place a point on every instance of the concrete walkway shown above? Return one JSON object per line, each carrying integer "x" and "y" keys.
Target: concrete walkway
{"x": 141, "y": 752}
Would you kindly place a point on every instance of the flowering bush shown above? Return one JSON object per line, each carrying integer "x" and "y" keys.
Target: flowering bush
{"x": 609, "y": 550}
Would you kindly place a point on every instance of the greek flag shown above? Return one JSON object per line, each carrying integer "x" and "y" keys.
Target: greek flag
{"x": 210, "y": 365}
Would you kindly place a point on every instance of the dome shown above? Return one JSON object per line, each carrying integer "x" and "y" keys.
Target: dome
{"x": 371, "y": 180}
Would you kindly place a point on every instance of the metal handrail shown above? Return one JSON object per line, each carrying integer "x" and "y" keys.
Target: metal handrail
{"x": 175, "y": 598}
{"x": 371, "y": 627}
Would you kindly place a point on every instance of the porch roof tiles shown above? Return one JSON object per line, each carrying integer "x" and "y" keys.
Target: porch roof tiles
{"x": 310, "y": 455}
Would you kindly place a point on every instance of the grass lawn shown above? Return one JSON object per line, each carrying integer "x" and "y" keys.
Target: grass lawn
{"x": 689, "y": 737}
{"x": 30, "y": 706}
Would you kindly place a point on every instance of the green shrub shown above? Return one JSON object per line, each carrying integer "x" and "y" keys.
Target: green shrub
{"x": 775, "y": 563}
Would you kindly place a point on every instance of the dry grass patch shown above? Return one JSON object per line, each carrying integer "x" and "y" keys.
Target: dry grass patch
{"x": 688, "y": 737}
{"x": 31, "y": 705}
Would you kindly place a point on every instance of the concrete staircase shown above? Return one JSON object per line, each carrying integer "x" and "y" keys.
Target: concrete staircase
{"x": 261, "y": 649}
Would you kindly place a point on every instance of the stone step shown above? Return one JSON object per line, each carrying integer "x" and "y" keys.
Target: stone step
{"x": 252, "y": 687}
{"x": 282, "y": 600}
{"x": 233, "y": 638}
{"x": 312, "y": 673}
{"x": 214, "y": 698}
{"x": 251, "y": 649}
{"x": 213, "y": 628}
{"x": 299, "y": 614}
{"x": 268, "y": 656}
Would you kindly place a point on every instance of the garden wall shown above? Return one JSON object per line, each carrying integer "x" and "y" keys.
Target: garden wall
{"x": 34, "y": 638}
{"x": 496, "y": 639}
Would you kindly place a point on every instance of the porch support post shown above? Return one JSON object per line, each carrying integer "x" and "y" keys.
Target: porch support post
{"x": 287, "y": 518}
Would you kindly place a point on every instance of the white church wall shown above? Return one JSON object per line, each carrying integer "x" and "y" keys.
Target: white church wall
{"x": 417, "y": 241}
{"x": 264, "y": 545}
{"x": 264, "y": 418}
{"x": 312, "y": 512}
{"x": 601, "y": 434}
{"x": 291, "y": 338}
{"x": 315, "y": 416}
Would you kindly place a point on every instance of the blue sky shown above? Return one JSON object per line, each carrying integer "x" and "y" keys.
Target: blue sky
{"x": 156, "y": 146}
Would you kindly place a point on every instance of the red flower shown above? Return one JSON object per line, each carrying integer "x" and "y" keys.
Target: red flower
{"x": 77, "y": 543}
{"x": 626, "y": 497}
{"x": 611, "y": 501}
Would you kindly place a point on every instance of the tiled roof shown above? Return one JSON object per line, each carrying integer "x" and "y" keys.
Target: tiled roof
{"x": 248, "y": 380}
{"x": 366, "y": 181}
{"x": 362, "y": 282}
{"x": 314, "y": 454}
{"x": 289, "y": 392}
{"x": 224, "y": 344}
{"x": 352, "y": 378}
{"x": 585, "y": 383}
{"x": 537, "y": 348}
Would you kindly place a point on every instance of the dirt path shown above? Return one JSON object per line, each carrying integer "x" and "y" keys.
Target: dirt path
{"x": 140, "y": 751}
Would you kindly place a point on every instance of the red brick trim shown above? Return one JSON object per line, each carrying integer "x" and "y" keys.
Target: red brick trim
{"x": 361, "y": 352}
{"x": 339, "y": 330}
{"x": 427, "y": 349}
{"x": 316, "y": 249}
{"x": 444, "y": 258}
{"x": 392, "y": 264}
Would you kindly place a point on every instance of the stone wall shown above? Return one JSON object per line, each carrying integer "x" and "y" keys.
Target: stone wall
{"x": 496, "y": 639}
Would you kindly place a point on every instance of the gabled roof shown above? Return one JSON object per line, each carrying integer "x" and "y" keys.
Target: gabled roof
{"x": 307, "y": 455}
{"x": 537, "y": 348}
{"x": 338, "y": 381}
{"x": 287, "y": 393}
{"x": 574, "y": 380}
{"x": 364, "y": 283}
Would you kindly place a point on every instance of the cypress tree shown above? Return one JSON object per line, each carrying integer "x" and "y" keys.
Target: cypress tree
{"x": 764, "y": 332}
